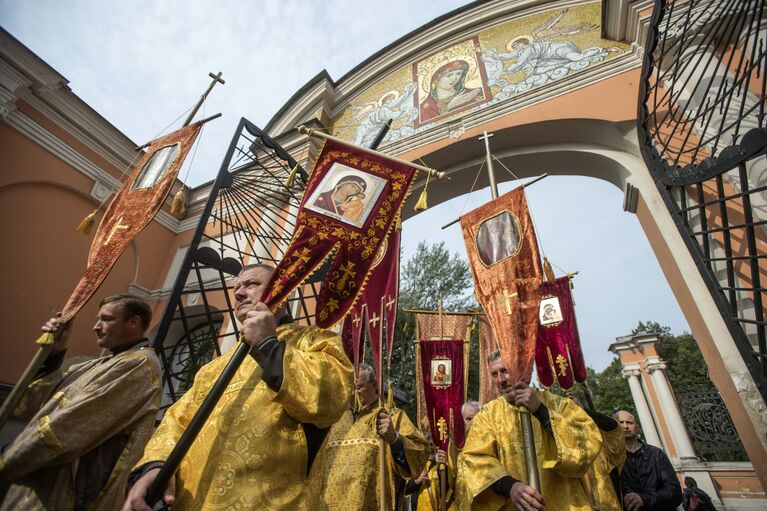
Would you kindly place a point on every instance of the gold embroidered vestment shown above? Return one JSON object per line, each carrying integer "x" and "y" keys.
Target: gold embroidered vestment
{"x": 494, "y": 449}
{"x": 351, "y": 461}
{"x": 74, "y": 412}
{"x": 252, "y": 451}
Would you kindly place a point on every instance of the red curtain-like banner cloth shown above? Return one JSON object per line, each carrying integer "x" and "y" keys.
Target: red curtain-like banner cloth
{"x": 454, "y": 326}
{"x": 349, "y": 207}
{"x": 131, "y": 210}
{"x": 503, "y": 254}
{"x": 380, "y": 292}
{"x": 558, "y": 353}
{"x": 442, "y": 369}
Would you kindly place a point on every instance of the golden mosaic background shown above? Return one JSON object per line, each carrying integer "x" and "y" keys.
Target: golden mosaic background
{"x": 565, "y": 42}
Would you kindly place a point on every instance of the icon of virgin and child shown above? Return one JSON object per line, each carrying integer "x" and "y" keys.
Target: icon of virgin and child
{"x": 345, "y": 199}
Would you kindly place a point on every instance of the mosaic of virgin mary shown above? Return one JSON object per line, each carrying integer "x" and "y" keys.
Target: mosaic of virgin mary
{"x": 448, "y": 92}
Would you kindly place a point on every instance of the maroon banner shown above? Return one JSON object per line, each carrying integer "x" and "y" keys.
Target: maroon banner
{"x": 558, "y": 353}
{"x": 442, "y": 371}
{"x": 131, "y": 210}
{"x": 378, "y": 300}
{"x": 349, "y": 207}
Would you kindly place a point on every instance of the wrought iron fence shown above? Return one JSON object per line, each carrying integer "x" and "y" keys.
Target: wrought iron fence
{"x": 702, "y": 134}
{"x": 249, "y": 218}
{"x": 709, "y": 425}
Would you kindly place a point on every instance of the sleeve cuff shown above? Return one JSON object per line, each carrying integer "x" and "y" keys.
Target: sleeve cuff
{"x": 542, "y": 414}
{"x": 503, "y": 486}
{"x": 269, "y": 354}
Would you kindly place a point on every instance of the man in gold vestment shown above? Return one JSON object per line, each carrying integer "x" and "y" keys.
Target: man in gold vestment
{"x": 258, "y": 446}
{"x": 350, "y": 479}
{"x": 566, "y": 443}
{"x": 603, "y": 477}
{"x": 89, "y": 422}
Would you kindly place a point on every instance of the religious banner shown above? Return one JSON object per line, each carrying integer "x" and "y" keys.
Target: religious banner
{"x": 431, "y": 325}
{"x": 378, "y": 300}
{"x": 131, "y": 210}
{"x": 349, "y": 207}
{"x": 558, "y": 352}
{"x": 503, "y": 255}
{"x": 442, "y": 380}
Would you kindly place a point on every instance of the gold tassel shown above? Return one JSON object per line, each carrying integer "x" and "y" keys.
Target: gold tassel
{"x": 87, "y": 223}
{"x": 421, "y": 204}
{"x": 390, "y": 398}
{"x": 398, "y": 226}
{"x": 46, "y": 339}
{"x": 291, "y": 181}
{"x": 357, "y": 402}
{"x": 548, "y": 271}
{"x": 178, "y": 207}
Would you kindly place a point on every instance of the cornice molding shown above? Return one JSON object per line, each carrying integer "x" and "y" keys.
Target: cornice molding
{"x": 51, "y": 143}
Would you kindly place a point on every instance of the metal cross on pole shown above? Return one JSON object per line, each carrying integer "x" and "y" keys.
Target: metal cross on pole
{"x": 216, "y": 79}
{"x": 524, "y": 414}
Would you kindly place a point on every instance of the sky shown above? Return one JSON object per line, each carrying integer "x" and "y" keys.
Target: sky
{"x": 143, "y": 64}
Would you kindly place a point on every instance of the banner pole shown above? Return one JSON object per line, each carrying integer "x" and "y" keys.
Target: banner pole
{"x": 525, "y": 420}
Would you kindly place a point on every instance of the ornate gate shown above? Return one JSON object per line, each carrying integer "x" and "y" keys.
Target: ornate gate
{"x": 703, "y": 137}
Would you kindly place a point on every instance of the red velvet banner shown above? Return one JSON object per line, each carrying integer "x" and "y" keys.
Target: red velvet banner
{"x": 442, "y": 370}
{"x": 134, "y": 206}
{"x": 349, "y": 207}
{"x": 378, "y": 299}
{"x": 503, "y": 255}
{"x": 558, "y": 351}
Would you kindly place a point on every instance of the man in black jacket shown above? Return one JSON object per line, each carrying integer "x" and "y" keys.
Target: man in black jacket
{"x": 648, "y": 479}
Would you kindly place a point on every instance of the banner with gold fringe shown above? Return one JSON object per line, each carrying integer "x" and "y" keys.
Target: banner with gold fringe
{"x": 377, "y": 302}
{"x": 558, "y": 354}
{"x": 432, "y": 326}
{"x": 350, "y": 205}
{"x": 503, "y": 255}
{"x": 131, "y": 210}
{"x": 441, "y": 378}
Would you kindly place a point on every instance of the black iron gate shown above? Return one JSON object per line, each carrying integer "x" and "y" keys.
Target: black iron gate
{"x": 702, "y": 134}
{"x": 248, "y": 218}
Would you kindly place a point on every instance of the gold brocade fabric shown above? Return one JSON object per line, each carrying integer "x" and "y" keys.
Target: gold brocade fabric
{"x": 612, "y": 455}
{"x": 350, "y": 461}
{"x": 252, "y": 451}
{"x": 495, "y": 449}
{"x": 424, "y": 501}
{"x": 82, "y": 411}
{"x": 454, "y": 326}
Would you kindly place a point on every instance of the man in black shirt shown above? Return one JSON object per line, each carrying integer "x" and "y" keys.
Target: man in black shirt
{"x": 648, "y": 480}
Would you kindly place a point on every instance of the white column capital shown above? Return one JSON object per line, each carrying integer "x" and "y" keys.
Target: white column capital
{"x": 654, "y": 364}
{"x": 628, "y": 372}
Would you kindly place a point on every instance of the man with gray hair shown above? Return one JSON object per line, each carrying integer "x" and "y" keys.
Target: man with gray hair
{"x": 351, "y": 478}
{"x": 493, "y": 461}
{"x": 468, "y": 410}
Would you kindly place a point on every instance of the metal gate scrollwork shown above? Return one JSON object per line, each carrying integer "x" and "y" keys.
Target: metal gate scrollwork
{"x": 703, "y": 135}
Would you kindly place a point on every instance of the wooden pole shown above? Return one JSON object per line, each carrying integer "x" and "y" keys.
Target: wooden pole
{"x": 216, "y": 79}
{"x": 526, "y": 185}
{"x": 382, "y": 489}
{"x": 14, "y": 398}
{"x": 314, "y": 133}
